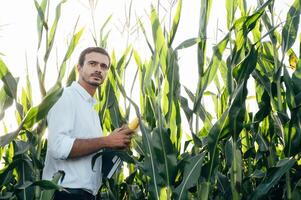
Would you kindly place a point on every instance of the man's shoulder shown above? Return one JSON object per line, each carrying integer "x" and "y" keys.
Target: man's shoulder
{"x": 66, "y": 96}
{"x": 68, "y": 90}
{"x": 65, "y": 101}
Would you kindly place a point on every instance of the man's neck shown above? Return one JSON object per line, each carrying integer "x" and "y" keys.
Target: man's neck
{"x": 89, "y": 88}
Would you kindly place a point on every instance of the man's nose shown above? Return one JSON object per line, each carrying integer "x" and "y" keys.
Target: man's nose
{"x": 98, "y": 67}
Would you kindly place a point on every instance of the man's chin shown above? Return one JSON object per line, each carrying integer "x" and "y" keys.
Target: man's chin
{"x": 95, "y": 84}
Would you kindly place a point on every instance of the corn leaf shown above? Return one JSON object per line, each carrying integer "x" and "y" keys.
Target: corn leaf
{"x": 37, "y": 113}
{"x": 242, "y": 72}
{"x": 290, "y": 29}
{"x": 5, "y": 102}
{"x": 5, "y": 173}
{"x": 10, "y": 83}
{"x": 40, "y": 77}
{"x": 272, "y": 177}
{"x": 112, "y": 106}
{"x": 150, "y": 165}
{"x": 296, "y": 78}
{"x": 204, "y": 18}
{"x": 191, "y": 175}
{"x": 49, "y": 187}
{"x": 71, "y": 47}
{"x": 166, "y": 155}
{"x": 159, "y": 39}
{"x": 150, "y": 69}
{"x": 175, "y": 23}
{"x": 188, "y": 43}
{"x": 103, "y": 38}
{"x": 173, "y": 77}
{"x": 231, "y": 6}
{"x": 290, "y": 95}
{"x": 145, "y": 36}
{"x": 71, "y": 76}
{"x": 210, "y": 72}
{"x": 41, "y": 20}
{"x": 7, "y": 138}
{"x": 242, "y": 4}
{"x": 237, "y": 108}
{"x": 53, "y": 30}
{"x": 264, "y": 108}
{"x": 214, "y": 136}
{"x": 184, "y": 105}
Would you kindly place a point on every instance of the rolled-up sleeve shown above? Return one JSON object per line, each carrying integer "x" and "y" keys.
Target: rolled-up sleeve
{"x": 60, "y": 121}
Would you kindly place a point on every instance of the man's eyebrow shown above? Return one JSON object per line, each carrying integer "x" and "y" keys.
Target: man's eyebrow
{"x": 93, "y": 61}
{"x": 100, "y": 63}
{"x": 96, "y": 61}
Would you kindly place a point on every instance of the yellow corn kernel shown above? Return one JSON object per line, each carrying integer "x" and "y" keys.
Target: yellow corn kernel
{"x": 134, "y": 124}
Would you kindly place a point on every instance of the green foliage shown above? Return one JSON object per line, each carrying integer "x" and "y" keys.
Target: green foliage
{"x": 229, "y": 153}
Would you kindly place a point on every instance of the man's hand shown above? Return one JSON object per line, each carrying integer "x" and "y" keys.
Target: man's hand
{"x": 120, "y": 138}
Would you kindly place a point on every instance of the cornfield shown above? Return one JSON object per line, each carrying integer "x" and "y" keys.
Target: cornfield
{"x": 248, "y": 146}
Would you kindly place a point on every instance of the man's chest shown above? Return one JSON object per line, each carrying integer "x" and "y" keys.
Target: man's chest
{"x": 86, "y": 122}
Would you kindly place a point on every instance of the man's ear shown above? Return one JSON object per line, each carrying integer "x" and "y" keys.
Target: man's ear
{"x": 78, "y": 67}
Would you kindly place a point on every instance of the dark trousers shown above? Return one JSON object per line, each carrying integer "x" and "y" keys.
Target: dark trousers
{"x": 73, "y": 194}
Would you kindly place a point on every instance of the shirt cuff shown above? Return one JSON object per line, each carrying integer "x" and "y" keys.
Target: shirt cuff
{"x": 62, "y": 146}
{"x": 68, "y": 146}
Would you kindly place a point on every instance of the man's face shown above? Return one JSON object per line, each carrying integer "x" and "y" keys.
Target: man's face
{"x": 95, "y": 69}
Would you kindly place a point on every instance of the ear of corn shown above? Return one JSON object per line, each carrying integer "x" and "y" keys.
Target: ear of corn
{"x": 134, "y": 124}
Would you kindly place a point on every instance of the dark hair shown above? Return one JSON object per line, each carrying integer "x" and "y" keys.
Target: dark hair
{"x": 88, "y": 50}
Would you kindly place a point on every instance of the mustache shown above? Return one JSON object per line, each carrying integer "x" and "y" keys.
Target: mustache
{"x": 98, "y": 75}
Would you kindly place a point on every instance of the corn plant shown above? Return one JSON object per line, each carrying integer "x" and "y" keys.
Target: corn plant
{"x": 242, "y": 155}
{"x": 24, "y": 154}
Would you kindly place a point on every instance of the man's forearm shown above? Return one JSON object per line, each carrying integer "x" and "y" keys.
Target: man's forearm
{"x": 119, "y": 139}
{"x": 83, "y": 147}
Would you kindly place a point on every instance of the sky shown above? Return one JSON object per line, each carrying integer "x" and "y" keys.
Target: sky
{"x": 18, "y": 35}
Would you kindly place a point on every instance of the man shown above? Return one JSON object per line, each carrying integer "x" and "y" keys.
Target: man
{"x": 75, "y": 133}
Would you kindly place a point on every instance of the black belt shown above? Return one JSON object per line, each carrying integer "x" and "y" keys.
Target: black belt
{"x": 74, "y": 194}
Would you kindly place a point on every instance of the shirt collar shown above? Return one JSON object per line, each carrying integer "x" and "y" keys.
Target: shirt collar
{"x": 86, "y": 96}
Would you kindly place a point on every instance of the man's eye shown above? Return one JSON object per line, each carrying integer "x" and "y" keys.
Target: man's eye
{"x": 104, "y": 66}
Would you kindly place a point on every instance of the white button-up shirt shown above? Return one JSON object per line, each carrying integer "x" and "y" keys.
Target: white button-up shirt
{"x": 73, "y": 116}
